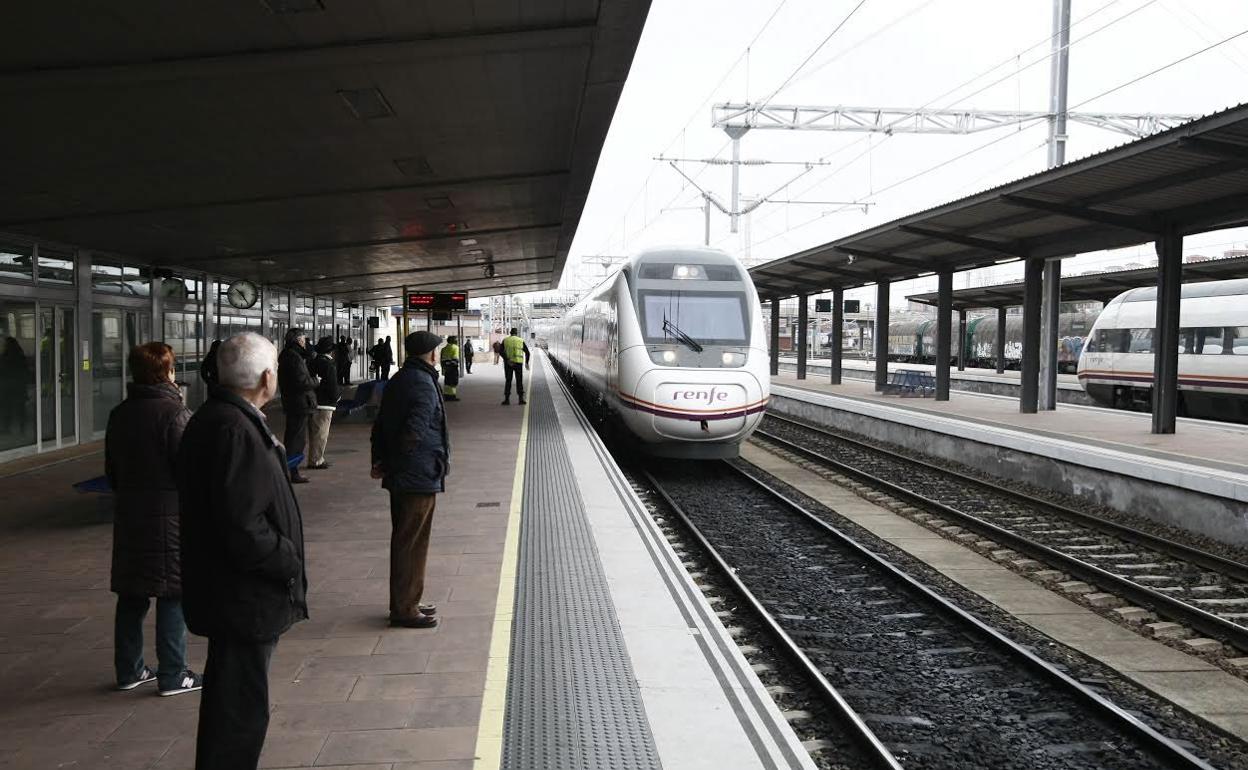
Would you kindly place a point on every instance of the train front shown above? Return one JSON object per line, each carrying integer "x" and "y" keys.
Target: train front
{"x": 693, "y": 368}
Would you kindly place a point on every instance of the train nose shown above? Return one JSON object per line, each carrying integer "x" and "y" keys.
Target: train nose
{"x": 702, "y": 411}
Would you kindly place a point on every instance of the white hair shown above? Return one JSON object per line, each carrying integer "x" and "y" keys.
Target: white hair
{"x": 243, "y": 359}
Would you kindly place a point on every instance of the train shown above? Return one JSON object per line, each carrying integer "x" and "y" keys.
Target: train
{"x": 912, "y": 339}
{"x": 670, "y": 348}
{"x": 1116, "y": 368}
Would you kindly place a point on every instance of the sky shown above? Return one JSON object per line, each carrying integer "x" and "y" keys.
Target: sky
{"x": 946, "y": 54}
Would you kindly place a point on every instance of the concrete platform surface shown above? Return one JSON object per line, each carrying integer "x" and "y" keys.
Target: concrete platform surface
{"x": 971, "y": 374}
{"x": 347, "y": 690}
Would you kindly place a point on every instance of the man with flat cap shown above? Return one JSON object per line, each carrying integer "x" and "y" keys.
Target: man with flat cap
{"x": 411, "y": 455}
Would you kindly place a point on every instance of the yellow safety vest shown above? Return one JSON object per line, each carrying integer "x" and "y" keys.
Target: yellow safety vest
{"x": 450, "y": 352}
{"x": 513, "y": 350}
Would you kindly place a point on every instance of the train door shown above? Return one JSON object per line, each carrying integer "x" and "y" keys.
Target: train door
{"x": 58, "y": 383}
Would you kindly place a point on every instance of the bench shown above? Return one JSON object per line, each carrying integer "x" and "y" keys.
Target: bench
{"x": 911, "y": 382}
{"x": 100, "y": 486}
{"x": 367, "y": 394}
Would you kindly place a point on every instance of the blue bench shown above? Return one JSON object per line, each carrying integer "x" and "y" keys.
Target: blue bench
{"x": 367, "y": 393}
{"x": 99, "y": 485}
{"x": 911, "y": 382}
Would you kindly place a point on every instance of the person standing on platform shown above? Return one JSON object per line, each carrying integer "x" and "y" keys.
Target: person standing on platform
{"x": 140, "y": 447}
{"x": 327, "y": 392}
{"x": 468, "y": 351}
{"x": 515, "y": 361}
{"x": 298, "y": 396}
{"x": 208, "y": 369}
{"x": 497, "y": 347}
{"x": 385, "y": 359}
{"x": 342, "y": 361}
{"x": 411, "y": 455}
{"x": 450, "y": 369}
{"x": 243, "y": 578}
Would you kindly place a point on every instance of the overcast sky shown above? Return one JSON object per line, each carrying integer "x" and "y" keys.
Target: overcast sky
{"x": 986, "y": 54}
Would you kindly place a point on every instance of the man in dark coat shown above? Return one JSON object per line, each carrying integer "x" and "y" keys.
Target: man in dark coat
{"x": 143, "y": 435}
{"x": 342, "y": 361}
{"x": 298, "y": 396}
{"x": 468, "y": 353}
{"x": 327, "y": 393}
{"x": 411, "y": 454}
{"x": 243, "y": 578}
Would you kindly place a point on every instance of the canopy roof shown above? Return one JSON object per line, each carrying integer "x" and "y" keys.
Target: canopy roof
{"x": 1193, "y": 178}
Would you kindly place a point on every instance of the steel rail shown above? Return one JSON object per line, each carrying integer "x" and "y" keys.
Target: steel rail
{"x": 861, "y": 733}
{"x": 1170, "y": 750}
{"x": 1209, "y": 561}
{"x": 1205, "y": 622}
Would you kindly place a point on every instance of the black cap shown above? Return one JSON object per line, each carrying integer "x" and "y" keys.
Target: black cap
{"x": 325, "y": 344}
{"x": 420, "y": 343}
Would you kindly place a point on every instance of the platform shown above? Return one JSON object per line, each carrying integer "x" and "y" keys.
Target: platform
{"x": 570, "y": 637}
{"x": 1108, "y": 456}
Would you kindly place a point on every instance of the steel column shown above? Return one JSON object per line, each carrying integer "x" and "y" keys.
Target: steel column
{"x": 836, "y": 342}
{"x": 881, "y": 334}
{"x": 1166, "y": 333}
{"x": 774, "y": 347}
{"x": 1028, "y": 391}
{"x": 961, "y": 340}
{"x": 1049, "y": 306}
{"x": 1000, "y": 353}
{"x": 803, "y": 321}
{"x": 944, "y": 318}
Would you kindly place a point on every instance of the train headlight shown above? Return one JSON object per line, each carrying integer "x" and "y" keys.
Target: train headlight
{"x": 687, "y": 272}
{"x": 728, "y": 358}
{"x": 669, "y": 356}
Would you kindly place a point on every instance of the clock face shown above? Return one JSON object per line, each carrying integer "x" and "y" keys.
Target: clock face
{"x": 242, "y": 294}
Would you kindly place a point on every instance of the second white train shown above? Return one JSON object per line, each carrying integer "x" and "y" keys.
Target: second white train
{"x": 672, "y": 345}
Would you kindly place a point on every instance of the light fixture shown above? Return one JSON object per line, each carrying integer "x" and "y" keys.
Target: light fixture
{"x": 439, "y": 202}
{"x": 283, "y": 7}
{"x": 367, "y": 103}
{"x": 467, "y": 241}
{"x": 266, "y": 261}
{"x": 728, "y": 358}
{"x": 669, "y": 356}
{"x": 1007, "y": 259}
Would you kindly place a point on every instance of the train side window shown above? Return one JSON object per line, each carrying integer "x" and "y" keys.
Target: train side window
{"x": 1239, "y": 344}
{"x": 1210, "y": 340}
{"x": 1141, "y": 341}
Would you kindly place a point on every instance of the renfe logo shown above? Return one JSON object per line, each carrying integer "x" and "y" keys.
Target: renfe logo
{"x": 708, "y": 397}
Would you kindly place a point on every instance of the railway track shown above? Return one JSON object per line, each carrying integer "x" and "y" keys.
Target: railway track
{"x": 1202, "y": 591}
{"x": 915, "y": 680}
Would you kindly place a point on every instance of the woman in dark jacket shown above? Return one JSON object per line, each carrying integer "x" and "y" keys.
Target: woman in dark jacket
{"x": 140, "y": 446}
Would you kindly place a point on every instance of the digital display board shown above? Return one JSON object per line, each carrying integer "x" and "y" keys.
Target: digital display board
{"x": 440, "y": 301}
{"x": 823, "y": 306}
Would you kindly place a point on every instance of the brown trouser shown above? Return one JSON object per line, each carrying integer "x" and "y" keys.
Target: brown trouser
{"x": 411, "y": 520}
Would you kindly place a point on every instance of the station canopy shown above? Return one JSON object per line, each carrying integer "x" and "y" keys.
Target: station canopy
{"x": 1089, "y": 287}
{"x": 345, "y": 148}
{"x": 1193, "y": 178}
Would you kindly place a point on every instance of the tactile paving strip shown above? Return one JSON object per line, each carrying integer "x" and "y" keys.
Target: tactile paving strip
{"x": 572, "y": 698}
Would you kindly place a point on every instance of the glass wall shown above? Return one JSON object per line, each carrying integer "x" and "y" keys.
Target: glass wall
{"x": 17, "y": 374}
{"x": 114, "y": 332}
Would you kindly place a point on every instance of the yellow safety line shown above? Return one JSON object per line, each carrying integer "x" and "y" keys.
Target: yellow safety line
{"x": 489, "y": 749}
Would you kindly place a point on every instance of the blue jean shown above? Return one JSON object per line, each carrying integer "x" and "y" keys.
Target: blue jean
{"x": 170, "y": 640}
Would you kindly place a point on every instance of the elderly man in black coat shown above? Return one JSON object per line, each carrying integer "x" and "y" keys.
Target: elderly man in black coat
{"x": 243, "y": 579}
{"x": 144, "y": 432}
{"x": 298, "y": 395}
{"x": 411, "y": 454}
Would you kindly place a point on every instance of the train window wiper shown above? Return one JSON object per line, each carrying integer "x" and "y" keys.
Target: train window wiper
{"x": 672, "y": 329}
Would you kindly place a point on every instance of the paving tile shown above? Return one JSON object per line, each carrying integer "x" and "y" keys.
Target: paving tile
{"x": 459, "y": 684}
{"x": 457, "y": 660}
{"x": 361, "y": 746}
{"x": 1204, "y": 692}
{"x": 407, "y": 663}
{"x": 1140, "y": 655}
{"x": 1082, "y": 625}
{"x": 351, "y": 715}
{"x": 445, "y": 712}
{"x": 326, "y": 689}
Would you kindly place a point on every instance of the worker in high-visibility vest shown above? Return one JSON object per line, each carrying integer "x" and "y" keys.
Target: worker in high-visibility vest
{"x": 450, "y": 369}
{"x": 515, "y": 361}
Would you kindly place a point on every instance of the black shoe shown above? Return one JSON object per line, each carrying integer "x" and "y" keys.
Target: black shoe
{"x": 145, "y": 676}
{"x": 319, "y": 467}
{"x": 298, "y": 479}
{"x": 506, "y": 402}
{"x": 188, "y": 681}
{"x": 522, "y": 402}
{"x": 420, "y": 620}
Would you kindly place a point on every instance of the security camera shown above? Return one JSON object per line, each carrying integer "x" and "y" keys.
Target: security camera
{"x": 489, "y": 271}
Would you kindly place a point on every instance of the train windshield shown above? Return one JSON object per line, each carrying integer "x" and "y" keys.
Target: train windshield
{"x": 708, "y": 318}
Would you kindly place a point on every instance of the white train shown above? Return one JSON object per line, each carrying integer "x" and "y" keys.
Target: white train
{"x": 672, "y": 346}
{"x": 1116, "y": 368}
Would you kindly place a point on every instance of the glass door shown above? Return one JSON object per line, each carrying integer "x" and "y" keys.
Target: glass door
{"x": 114, "y": 332}
{"x": 19, "y": 356}
{"x": 58, "y": 404}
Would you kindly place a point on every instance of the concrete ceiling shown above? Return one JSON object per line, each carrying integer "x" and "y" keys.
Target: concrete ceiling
{"x": 350, "y": 148}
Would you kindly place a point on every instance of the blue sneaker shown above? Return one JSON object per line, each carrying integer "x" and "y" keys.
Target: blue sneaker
{"x": 145, "y": 676}
{"x": 188, "y": 681}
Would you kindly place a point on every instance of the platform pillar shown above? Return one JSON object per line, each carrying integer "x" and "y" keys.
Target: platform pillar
{"x": 944, "y": 319}
{"x": 1028, "y": 383}
{"x": 836, "y": 342}
{"x": 1000, "y": 354}
{"x": 961, "y": 340}
{"x": 773, "y": 347}
{"x": 1050, "y": 304}
{"x": 880, "y": 332}
{"x": 1166, "y": 333}
{"x": 803, "y": 321}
